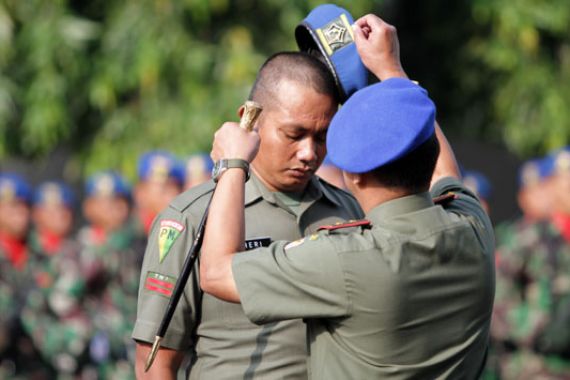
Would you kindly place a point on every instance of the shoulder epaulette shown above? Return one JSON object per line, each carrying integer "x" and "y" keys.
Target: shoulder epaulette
{"x": 350, "y": 223}
{"x": 190, "y": 196}
{"x": 442, "y": 199}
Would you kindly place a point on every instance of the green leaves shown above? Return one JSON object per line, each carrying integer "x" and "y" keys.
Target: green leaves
{"x": 527, "y": 49}
{"x": 112, "y": 79}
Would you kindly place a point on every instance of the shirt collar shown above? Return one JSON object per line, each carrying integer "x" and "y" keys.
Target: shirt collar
{"x": 400, "y": 206}
{"x": 255, "y": 189}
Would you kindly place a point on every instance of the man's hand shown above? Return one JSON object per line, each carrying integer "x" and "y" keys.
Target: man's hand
{"x": 231, "y": 141}
{"x": 378, "y": 47}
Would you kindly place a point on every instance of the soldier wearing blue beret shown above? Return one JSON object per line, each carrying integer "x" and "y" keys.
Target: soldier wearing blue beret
{"x": 406, "y": 293}
{"x": 53, "y": 315}
{"x": 533, "y": 336}
{"x": 479, "y": 184}
{"x": 161, "y": 177}
{"x": 109, "y": 265}
{"x": 52, "y": 214}
{"x": 198, "y": 169}
{"x": 533, "y": 187}
{"x": 15, "y": 198}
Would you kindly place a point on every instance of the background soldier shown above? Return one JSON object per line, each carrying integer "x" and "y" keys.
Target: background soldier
{"x": 198, "y": 169}
{"x": 15, "y": 197}
{"x": 109, "y": 267}
{"x": 53, "y": 314}
{"x": 160, "y": 179}
{"x": 532, "y": 311}
{"x": 480, "y": 185}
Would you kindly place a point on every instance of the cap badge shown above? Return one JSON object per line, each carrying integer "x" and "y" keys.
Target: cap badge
{"x": 336, "y": 34}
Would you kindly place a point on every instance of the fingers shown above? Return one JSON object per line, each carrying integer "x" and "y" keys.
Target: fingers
{"x": 371, "y": 25}
{"x": 232, "y": 141}
{"x": 370, "y": 22}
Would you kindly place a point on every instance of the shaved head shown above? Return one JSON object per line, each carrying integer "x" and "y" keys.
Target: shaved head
{"x": 298, "y": 67}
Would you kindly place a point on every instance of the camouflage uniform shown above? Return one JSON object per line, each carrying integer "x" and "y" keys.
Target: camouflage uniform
{"x": 110, "y": 269}
{"x": 16, "y": 350}
{"x": 532, "y": 306}
{"x": 8, "y": 312}
{"x": 53, "y": 314}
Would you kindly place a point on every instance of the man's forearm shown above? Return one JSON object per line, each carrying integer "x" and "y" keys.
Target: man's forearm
{"x": 224, "y": 235}
{"x": 165, "y": 366}
{"x": 446, "y": 165}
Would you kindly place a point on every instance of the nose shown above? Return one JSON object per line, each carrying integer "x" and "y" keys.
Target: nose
{"x": 307, "y": 152}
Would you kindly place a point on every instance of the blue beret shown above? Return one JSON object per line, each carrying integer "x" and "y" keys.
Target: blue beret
{"x": 328, "y": 28}
{"x": 199, "y": 163}
{"x": 160, "y": 165}
{"x": 108, "y": 183}
{"x": 380, "y": 124}
{"x": 561, "y": 160}
{"x": 478, "y": 183}
{"x": 535, "y": 170}
{"x": 55, "y": 193}
{"x": 12, "y": 186}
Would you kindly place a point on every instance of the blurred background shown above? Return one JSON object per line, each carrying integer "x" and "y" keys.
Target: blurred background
{"x": 88, "y": 85}
{"x": 91, "y": 86}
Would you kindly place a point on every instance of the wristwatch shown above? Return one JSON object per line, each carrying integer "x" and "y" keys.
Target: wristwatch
{"x": 224, "y": 164}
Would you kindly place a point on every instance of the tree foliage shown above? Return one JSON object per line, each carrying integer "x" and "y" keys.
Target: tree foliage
{"x": 526, "y": 44}
{"x": 111, "y": 79}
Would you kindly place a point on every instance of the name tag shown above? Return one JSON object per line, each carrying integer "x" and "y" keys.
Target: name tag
{"x": 257, "y": 243}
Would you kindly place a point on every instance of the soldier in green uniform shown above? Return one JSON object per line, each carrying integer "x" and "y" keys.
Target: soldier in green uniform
{"x": 53, "y": 315}
{"x": 109, "y": 267}
{"x": 532, "y": 314}
{"x": 284, "y": 200}
{"x": 407, "y": 293}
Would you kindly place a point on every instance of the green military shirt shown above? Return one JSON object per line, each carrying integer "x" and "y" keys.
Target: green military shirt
{"x": 408, "y": 297}
{"x": 227, "y": 344}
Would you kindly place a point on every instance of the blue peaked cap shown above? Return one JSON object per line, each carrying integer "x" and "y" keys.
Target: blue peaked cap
{"x": 380, "y": 124}
{"x": 107, "y": 183}
{"x": 54, "y": 192}
{"x": 328, "y": 29}
{"x": 12, "y": 186}
{"x": 160, "y": 165}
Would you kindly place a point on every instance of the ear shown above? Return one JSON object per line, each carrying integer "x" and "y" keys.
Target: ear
{"x": 240, "y": 111}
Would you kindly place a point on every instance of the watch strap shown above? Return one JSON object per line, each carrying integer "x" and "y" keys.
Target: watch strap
{"x": 224, "y": 164}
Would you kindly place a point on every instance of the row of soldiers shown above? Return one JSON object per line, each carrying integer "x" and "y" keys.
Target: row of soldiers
{"x": 68, "y": 300}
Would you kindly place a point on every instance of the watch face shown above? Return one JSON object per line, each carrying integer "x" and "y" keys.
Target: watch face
{"x": 215, "y": 169}
{"x": 218, "y": 170}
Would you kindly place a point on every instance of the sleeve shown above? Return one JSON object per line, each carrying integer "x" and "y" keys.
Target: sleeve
{"x": 170, "y": 239}
{"x": 302, "y": 279}
{"x": 467, "y": 205}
